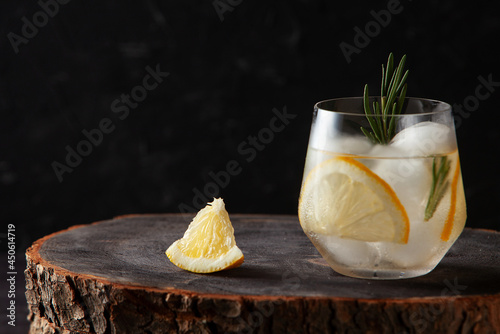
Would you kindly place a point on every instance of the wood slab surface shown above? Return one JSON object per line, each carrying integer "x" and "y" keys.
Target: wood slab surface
{"x": 114, "y": 277}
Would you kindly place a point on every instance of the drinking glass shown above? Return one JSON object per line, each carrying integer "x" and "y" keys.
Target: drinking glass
{"x": 382, "y": 211}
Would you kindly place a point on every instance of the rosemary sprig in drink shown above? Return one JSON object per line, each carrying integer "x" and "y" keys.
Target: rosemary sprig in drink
{"x": 440, "y": 170}
{"x": 393, "y": 93}
{"x": 383, "y": 124}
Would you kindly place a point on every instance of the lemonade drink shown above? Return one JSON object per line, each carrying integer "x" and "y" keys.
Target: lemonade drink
{"x": 383, "y": 211}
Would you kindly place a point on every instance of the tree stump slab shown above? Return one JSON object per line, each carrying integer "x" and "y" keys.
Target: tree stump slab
{"x": 114, "y": 277}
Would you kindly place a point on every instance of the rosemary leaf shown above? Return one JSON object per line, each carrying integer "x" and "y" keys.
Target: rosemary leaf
{"x": 382, "y": 85}
{"x": 393, "y": 92}
{"x": 396, "y": 76}
{"x": 401, "y": 99}
{"x": 369, "y": 135}
{"x": 392, "y": 123}
{"x": 403, "y": 80}
{"x": 374, "y": 121}
{"x": 390, "y": 63}
{"x": 389, "y": 91}
{"x": 439, "y": 185}
{"x": 396, "y": 111}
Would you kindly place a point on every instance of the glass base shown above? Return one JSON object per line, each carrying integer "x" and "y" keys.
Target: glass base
{"x": 382, "y": 274}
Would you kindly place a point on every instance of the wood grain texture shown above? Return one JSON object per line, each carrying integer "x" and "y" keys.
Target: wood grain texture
{"x": 113, "y": 277}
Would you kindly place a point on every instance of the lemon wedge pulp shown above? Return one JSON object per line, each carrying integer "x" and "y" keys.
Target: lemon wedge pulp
{"x": 208, "y": 245}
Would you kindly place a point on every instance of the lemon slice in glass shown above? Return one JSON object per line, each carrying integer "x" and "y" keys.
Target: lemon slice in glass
{"x": 342, "y": 197}
{"x": 208, "y": 245}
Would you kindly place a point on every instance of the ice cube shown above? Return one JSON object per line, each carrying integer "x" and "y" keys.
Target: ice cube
{"x": 422, "y": 246}
{"x": 345, "y": 251}
{"x": 406, "y": 163}
{"x": 409, "y": 177}
{"x": 357, "y": 145}
{"x": 387, "y": 151}
{"x": 330, "y": 132}
{"x": 425, "y": 139}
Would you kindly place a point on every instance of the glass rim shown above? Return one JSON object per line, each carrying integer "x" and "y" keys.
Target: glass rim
{"x": 444, "y": 105}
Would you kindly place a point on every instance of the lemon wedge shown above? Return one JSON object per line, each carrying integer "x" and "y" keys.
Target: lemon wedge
{"x": 208, "y": 245}
{"x": 342, "y": 197}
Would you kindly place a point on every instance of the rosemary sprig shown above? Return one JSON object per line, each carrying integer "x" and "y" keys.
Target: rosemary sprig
{"x": 440, "y": 170}
{"x": 381, "y": 118}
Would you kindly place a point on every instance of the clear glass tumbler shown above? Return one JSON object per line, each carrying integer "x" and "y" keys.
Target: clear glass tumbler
{"x": 382, "y": 211}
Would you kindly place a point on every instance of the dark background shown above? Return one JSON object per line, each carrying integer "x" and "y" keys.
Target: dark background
{"x": 225, "y": 79}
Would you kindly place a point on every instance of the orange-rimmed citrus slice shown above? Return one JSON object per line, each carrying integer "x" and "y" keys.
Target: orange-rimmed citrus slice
{"x": 342, "y": 197}
{"x": 455, "y": 213}
{"x": 208, "y": 245}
